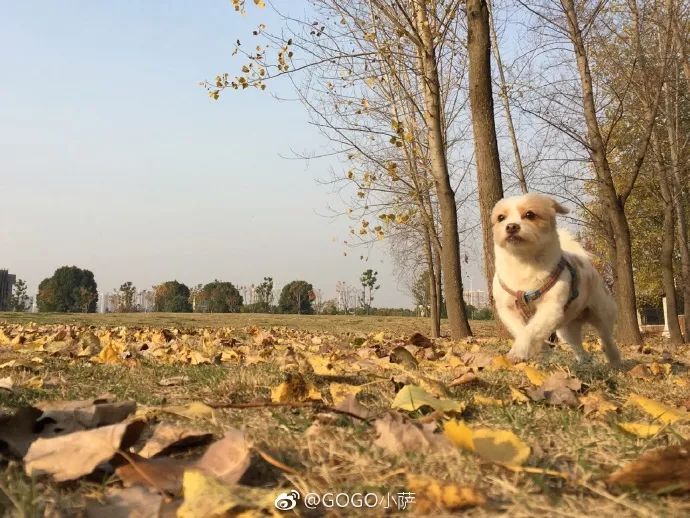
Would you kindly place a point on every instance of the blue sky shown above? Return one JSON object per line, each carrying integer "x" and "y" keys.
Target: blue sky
{"x": 113, "y": 158}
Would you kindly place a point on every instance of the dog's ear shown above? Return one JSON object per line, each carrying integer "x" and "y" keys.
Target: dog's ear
{"x": 560, "y": 209}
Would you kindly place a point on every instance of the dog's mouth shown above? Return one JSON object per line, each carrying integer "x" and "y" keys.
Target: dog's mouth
{"x": 514, "y": 238}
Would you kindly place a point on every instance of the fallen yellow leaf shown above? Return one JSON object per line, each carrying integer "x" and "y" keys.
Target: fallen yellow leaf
{"x": 517, "y": 396}
{"x": 204, "y": 495}
{"x": 378, "y": 337}
{"x": 501, "y": 363}
{"x": 644, "y": 430}
{"x": 534, "y": 375}
{"x": 341, "y": 391}
{"x": 413, "y": 397}
{"x": 193, "y": 410}
{"x": 433, "y": 495}
{"x": 321, "y": 366}
{"x": 658, "y": 411}
{"x": 500, "y": 446}
{"x": 295, "y": 389}
{"x": 486, "y": 401}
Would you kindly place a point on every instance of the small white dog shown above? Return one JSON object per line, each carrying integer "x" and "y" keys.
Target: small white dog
{"x": 545, "y": 280}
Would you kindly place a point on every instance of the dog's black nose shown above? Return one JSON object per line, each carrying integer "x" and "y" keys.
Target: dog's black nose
{"x": 512, "y": 228}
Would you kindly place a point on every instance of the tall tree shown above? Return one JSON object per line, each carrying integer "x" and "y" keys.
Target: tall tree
{"x": 172, "y": 297}
{"x": 368, "y": 280}
{"x": 219, "y": 297}
{"x": 489, "y": 182}
{"x": 296, "y": 297}
{"x": 346, "y": 43}
{"x": 19, "y": 300}
{"x": 70, "y": 289}
{"x": 126, "y": 296}
{"x": 264, "y": 294}
{"x": 610, "y": 65}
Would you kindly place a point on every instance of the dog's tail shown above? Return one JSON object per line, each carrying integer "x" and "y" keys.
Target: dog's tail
{"x": 570, "y": 244}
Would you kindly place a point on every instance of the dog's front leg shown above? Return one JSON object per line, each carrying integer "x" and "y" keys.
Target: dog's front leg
{"x": 530, "y": 340}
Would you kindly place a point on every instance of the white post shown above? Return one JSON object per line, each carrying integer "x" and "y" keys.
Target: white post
{"x": 665, "y": 333}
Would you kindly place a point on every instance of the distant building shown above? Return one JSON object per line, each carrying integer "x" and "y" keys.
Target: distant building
{"x": 146, "y": 300}
{"x": 110, "y": 302}
{"x": 6, "y": 282}
{"x": 477, "y": 298}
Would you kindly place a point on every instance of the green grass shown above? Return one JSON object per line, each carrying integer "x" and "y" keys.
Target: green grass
{"x": 338, "y": 324}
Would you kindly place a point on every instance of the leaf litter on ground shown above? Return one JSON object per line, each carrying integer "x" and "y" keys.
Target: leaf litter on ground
{"x": 160, "y": 464}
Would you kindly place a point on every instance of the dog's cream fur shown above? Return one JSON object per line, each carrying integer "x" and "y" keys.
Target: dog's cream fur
{"x": 526, "y": 258}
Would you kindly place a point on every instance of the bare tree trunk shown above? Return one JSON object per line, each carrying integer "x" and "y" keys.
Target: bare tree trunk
{"x": 433, "y": 294}
{"x": 628, "y": 330}
{"x": 450, "y": 255}
{"x": 667, "y": 243}
{"x": 680, "y": 203}
{"x": 503, "y": 94}
{"x": 489, "y": 183}
{"x": 439, "y": 285}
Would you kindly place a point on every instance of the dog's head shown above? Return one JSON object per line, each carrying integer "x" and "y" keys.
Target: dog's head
{"x": 525, "y": 222}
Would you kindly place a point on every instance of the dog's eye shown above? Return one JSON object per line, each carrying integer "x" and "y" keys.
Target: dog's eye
{"x": 500, "y": 217}
{"x": 530, "y": 215}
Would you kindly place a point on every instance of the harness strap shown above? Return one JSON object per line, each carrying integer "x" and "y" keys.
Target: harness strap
{"x": 523, "y": 298}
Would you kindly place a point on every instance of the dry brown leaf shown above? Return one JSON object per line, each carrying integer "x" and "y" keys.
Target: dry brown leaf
{"x": 557, "y": 389}
{"x": 173, "y": 381}
{"x": 477, "y": 360}
{"x": 641, "y": 371}
{"x": 666, "y": 470}
{"x": 403, "y": 357}
{"x": 436, "y": 496}
{"x": 648, "y": 371}
{"x": 6, "y": 383}
{"x": 596, "y": 404}
{"x": 168, "y": 437}
{"x": 70, "y": 456}
{"x": 228, "y": 458}
{"x": 398, "y": 435}
{"x": 354, "y": 407}
{"x": 70, "y": 416}
{"x": 660, "y": 369}
{"x": 160, "y": 474}
{"x": 463, "y": 379}
{"x": 263, "y": 338}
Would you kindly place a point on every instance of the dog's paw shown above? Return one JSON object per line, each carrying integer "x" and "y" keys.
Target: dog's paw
{"x": 515, "y": 356}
